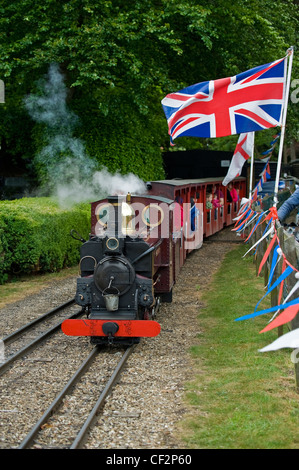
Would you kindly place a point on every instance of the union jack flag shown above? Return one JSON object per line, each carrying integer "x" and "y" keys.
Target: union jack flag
{"x": 247, "y": 102}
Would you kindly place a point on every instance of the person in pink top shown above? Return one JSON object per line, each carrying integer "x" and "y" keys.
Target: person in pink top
{"x": 216, "y": 202}
{"x": 233, "y": 192}
{"x": 219, "y": 195}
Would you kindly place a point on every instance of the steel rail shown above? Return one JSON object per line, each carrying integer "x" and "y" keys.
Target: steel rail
{"x": 57, "y": 401}
{"x": 14, "y": 335}
{"x": 4, "y": 366}
{"x": 82, "y": 435}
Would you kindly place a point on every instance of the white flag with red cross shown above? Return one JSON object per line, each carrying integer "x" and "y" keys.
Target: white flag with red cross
{"x": 243, "y": 151}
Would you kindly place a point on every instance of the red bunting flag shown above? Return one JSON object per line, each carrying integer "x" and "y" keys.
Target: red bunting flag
{"x": 287, "y": 315}
{"x": 265, "y": 257}
{"x": 241, "y": 222}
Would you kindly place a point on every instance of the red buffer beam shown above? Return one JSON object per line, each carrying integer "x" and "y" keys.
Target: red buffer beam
{"x": 126, "y": 328}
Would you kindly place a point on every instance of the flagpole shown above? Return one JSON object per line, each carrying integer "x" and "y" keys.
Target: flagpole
{"x": 290, "y": 52}
{"x": 251, "y": 168}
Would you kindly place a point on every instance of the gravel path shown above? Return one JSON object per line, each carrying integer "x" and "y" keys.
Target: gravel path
{"x": 143, "y": 410}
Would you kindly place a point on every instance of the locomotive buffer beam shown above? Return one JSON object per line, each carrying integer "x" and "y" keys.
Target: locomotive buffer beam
{"x": 117, "y": 328}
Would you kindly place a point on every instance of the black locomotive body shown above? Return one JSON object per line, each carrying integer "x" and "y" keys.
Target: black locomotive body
{"x": 126, "y": 256}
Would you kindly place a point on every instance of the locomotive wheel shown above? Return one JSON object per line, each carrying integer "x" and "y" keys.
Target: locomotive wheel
{"x": 143, "y": 314}
{"x": 152, "y": 312}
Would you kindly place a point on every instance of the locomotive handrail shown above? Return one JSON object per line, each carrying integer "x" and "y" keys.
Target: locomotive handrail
{"x": 79, "y": 239}
{"x": 88, "y": 256}
{"x": 149, "y": 250}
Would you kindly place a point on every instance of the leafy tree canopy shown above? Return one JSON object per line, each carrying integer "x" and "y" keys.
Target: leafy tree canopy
{"x": 120, "y": 58}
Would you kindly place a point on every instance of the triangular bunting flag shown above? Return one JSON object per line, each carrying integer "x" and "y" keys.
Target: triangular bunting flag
{"x": 277, "y": 253}
{"x": 283, "y": 318}
{"x": 255, "y": 226}
{"x": 259, "y": 241}
{"x": 243, "y": 221}
{"x": 268, "y": 310}
{"x": 281, "y": 278}
{"x": 289, "y": 340}
{"x": 292, "y": 291}
{"x": 267, "y": 252}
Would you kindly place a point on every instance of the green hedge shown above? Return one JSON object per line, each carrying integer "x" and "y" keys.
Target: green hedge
{"x": 35, "y": 235}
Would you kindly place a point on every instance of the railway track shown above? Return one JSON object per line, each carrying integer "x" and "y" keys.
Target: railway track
{"x": 34, "y": 327}
{"x": 31, "y": 327}
{"x": 153, "y": 380}
{"x": 82, "y": 435}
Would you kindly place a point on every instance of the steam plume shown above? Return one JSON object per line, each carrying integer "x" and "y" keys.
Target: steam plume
{"x": 72, "y": 176}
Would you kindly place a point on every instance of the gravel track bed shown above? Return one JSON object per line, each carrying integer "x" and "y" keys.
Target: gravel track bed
{"x": 38, "y": 330}
{"x": 144, "y": 408}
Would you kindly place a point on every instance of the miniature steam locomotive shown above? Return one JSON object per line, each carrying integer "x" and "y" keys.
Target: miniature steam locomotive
{"x": 135, "y": 250}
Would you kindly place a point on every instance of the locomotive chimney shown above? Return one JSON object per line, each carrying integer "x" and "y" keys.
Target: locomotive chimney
{"x": 114, "y": 215}
{"x": 121, "y": 215}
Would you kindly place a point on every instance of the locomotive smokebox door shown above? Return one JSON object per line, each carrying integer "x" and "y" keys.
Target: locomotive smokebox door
{"x": 114, "y": 273}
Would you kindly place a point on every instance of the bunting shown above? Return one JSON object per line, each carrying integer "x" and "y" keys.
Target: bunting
{"x": 273, "y": 144}
{"x": 259, "y": 221}
{"x": 267, "y": 252}
{"x": 268, "y": 310}
{"x": 246, "y": 222}
{"x": 285, "y": 317}
{"x": 287, "y": 310}
{"x": 277, "y": 253}
{"x": 257, "y": 313}
{"x": 293, "y": 290}
{"x": 265, "y": 175}
{"x": 271, "y": 229}
{"x": 289, "y": 340}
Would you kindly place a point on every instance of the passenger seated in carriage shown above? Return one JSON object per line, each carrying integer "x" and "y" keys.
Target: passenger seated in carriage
{"x": 232, "y": 193}
{"x": 209, "y": 201}
{"x": 218, "y": 194}
{"x": 216, "y": 201}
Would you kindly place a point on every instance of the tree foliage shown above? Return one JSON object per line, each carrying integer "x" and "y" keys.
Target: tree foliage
{"x": 121, "y": 58}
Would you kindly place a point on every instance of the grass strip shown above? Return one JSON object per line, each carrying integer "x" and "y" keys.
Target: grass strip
{"x": 239, "y": 398}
